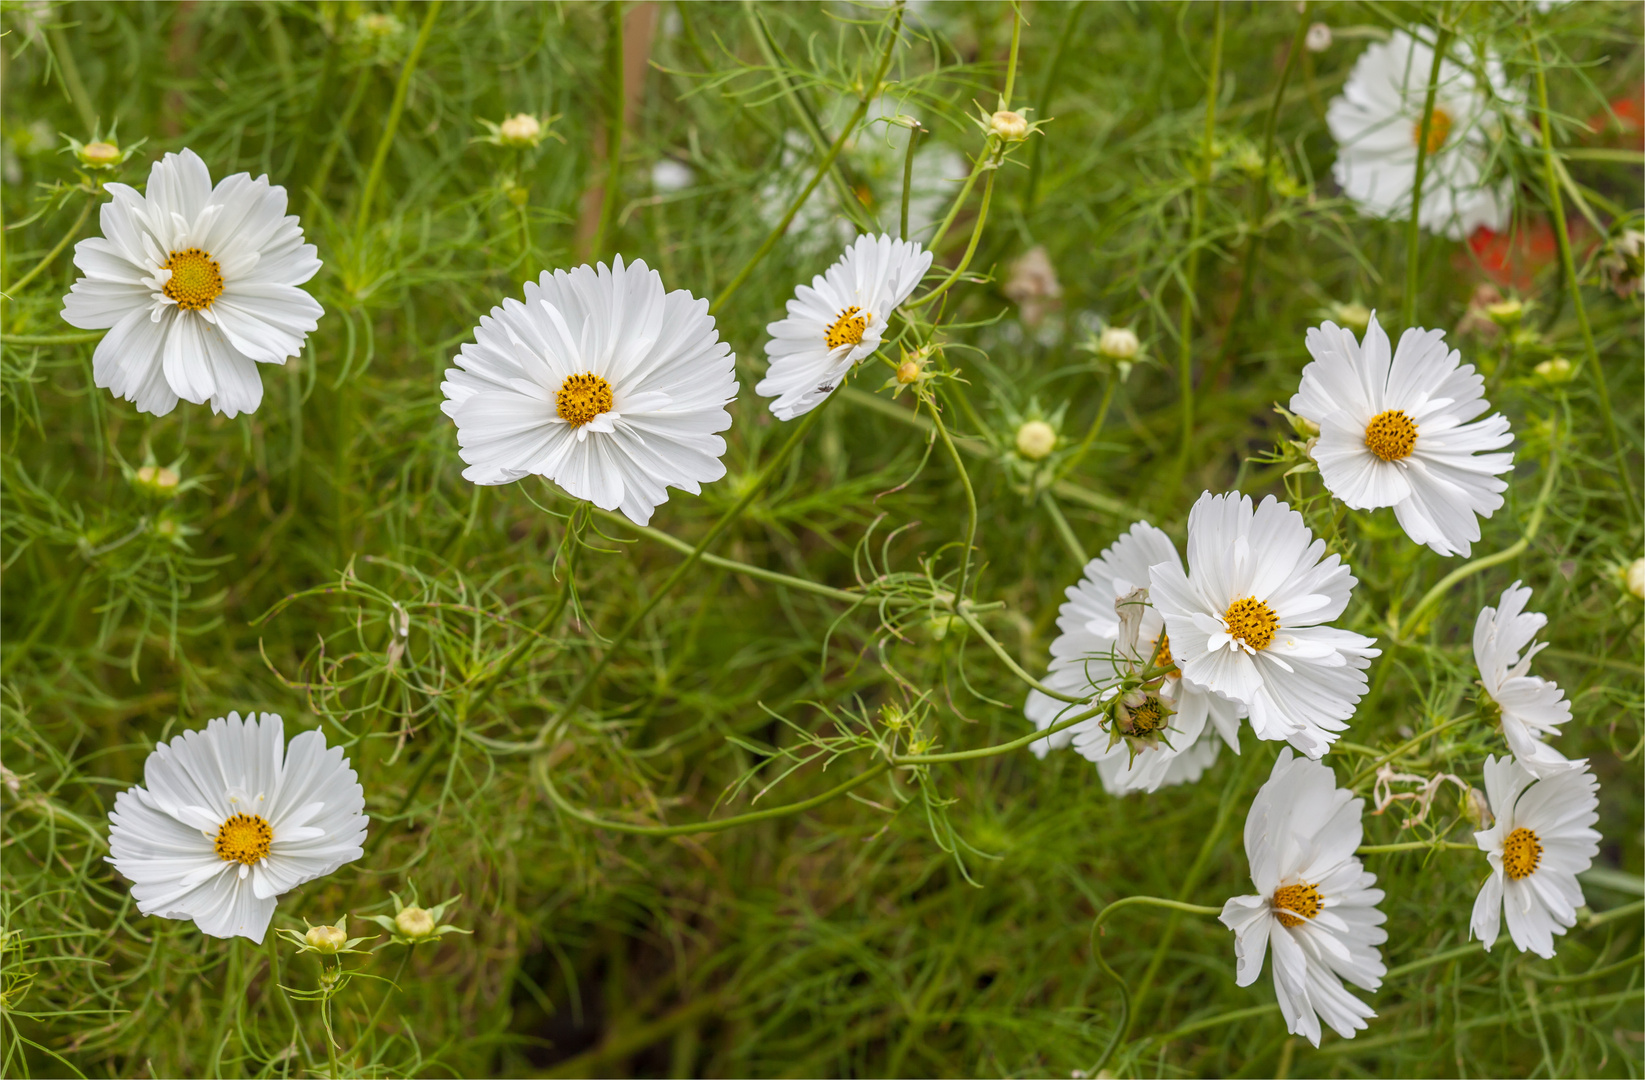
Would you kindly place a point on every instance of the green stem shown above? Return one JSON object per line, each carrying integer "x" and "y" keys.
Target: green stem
{"x": 374, "y": 178}
{"x": 970, "y": 249}
{"x": 1413, "y": 236}
{"x": 70, "y": 73}
{"x": 1557, "y": 206}
{"x": 1185, "y": 344}
{"x": 1011, "y": 62}
{"x": 273, "y": 943}
{"x": 1091, "y": 433}
{"x": 615, "y": 122}
{"x": 918, "y": 760}
{"x": 40, "y": 267}
{"x": 964, "y": 612}
{"x": 1433, "y": 596}
{"x": 54, "y": 339}
{"x": 970, "y": 502}
{"x": 1036, "y": 149}
{"x": 1123, "y": 1027}
{"x": 393, "y": 985}
{"x": 1259, "y": 198}
{"x": 908, "y": 179}
{"x": 582, "y": 687}
{"x": 869, "y": 93}
{"x": 1064, "y": 531}
{"x": 1371, "y": 769}
{"x": 1414, "y": 845}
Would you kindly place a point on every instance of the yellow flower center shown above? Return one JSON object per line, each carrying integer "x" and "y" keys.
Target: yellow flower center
{"x": 848, "y": 328}
{"x": 1164, "y": 659}
{"x": 1251, "y": 621}
{"x": 1439, "y": 129}
{"x": 244, "y": 838}
{"x": 581, "y": 398}
{"x": 1305, "y": 900}
{"x": 196, "y": 279}
{"x": 1391, "y": 435}
{"x": 1521, "y": 854}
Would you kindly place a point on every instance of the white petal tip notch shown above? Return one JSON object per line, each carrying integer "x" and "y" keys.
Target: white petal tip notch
{"x": 599, "y": 380}
{"x": 837, "y": 321}
{"x": 1247, "y": 620}
{"x": 1377, "y": 123}
{"x": 1316, "y": 905}
{"x": 1541, "y": 840}
{"x": 196, "y": 285}
{"x": 1401, "y": 428}
{"x": 229, "y": 818}
{"x": 1106, "y": 629}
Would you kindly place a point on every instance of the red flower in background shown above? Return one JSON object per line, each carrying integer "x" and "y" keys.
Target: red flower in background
{"x": 1512, "y": 259}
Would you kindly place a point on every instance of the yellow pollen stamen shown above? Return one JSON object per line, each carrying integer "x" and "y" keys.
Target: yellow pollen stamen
{"x": 1439, "y": 129}
{"x": 196, "y": 279}
{"x": 244, "y": 838}
{"x": 1521, "y": 854}
{"x": 1251, "y": 621}
{"x": 1164, "y": 659}
{"x": 581, "y": 398}
{"x": 1147, "y": 718}
{"x": 848, "y": 328}
{"x": 1304, "y": 899}
{"x": 1391, "y": 435}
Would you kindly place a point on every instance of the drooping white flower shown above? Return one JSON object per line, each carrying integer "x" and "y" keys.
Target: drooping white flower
{"x": 600, "y": 381}
{"x": 1316, "y": 904}
{"x": 197, "y": 285}
{"x": 1093, "y": 650}
{"x": 1541, "y": 841}
{"x": 1246, "y": 621}
{"x": 837, "y": 321}
{"x": 1378, "y": 119}
{"x": 1532, "y": 708}
{"x": 1398, "y": 428}
{"x": 230, "y": 818}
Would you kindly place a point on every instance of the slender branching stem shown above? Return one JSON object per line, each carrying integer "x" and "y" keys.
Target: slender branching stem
{"x": 397, "y": 107}
{"x": 1122, "y": 1027}
{"x": 1413, "y": 234}
{"x": 970, "y": 503}
{"x": 1065, "y": 531}
{"x": 1414, "y": 845}
{"x": 50, "y": 257}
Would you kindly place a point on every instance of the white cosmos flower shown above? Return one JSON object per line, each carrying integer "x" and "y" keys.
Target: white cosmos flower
{"x": 599, "y": 381}
{"x": 1541, "y": 841}
{"x": 230, "y": 818}
{"x": 1089, "y": 655}
{"x": 1246, "y": 620}
{"x": 1316, "y": 905}
{"x": 1532, "y": 707}
{"x": 1397, "y": 428}
{"x": 1376, "y": 123}
{"x": 837, "y": 321}
{"x": 196, "y": 285}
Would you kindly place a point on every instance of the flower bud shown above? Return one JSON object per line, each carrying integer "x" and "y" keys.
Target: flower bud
{"x": 1118, "y": 343}
{"x": 1505, "y": 313}
{"x": 1557, "y": 370}
{"x": 99, "y": 155}
{"x": 326, "y": 939}
{"x": 1634, "y": 577}
{"x": 156, "y": 480}
{"x": 521, "y": 129}
{"x": 1009, "y": 126}
{"x": 1036, "y": 439}
{"x": 908, "y": 372}
{"x": 1354, "y": 316}
{"x": 1318, "y": 38}
{"x": 414, "y": 923}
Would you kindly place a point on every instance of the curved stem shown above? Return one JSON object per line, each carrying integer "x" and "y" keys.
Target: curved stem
{"x": 970, "y": 248}
{"x": 966, "y": 616}
{"x": 906, "y": 760}
{"x": 823, "y": 168}
{"x": 1093, "y": 431}
{"x": 1413, "y": 236}
{"x": 1567, "y": 261}
{"x": 1123, "y": 1028}
{"x": 1434, "y": 595}
{"x": 1065, "y": 531}
{"x": 374, "y": 178}
{"x": 583, "y": 685}
{"x": 970, "y": 501}
{"x": 272, "y": 941}
{"x": 393, "y": 985}
{"x": 40, "y": 267}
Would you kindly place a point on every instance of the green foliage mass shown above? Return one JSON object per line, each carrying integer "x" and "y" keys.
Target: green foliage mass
{"x": 324, "y": 559}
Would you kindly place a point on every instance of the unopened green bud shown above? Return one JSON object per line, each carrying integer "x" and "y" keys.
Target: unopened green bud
{"x": 1557, "y": 370}
{"x": 414, "y": 923}
{"x": 1634, "y": 578}
{"x": 99, "y": 155}
{"x": 1118, "y": 343}
{"x": 1009, "y": 126}
{"x": 326, "y": 939}
{"x": 1036, "y": 439}
{"x": 157, "y": 480}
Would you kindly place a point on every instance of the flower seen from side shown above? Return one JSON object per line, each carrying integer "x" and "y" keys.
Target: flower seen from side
{"x": 229, "y": 818}
{"x": 600, "y": 381}
{"x": 1531, "y": 708}
{"x": 1398, "y": 427}
{"x": 1541, "y": 841}
{"x": 197, "y": 285}
{"x": 1316, "y": 905}
{"x": 1377, "y": 124}
{"x": 1105, "y": 629}
{"x": 838, "y": 321}
{"x": 1247, "y": 619}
